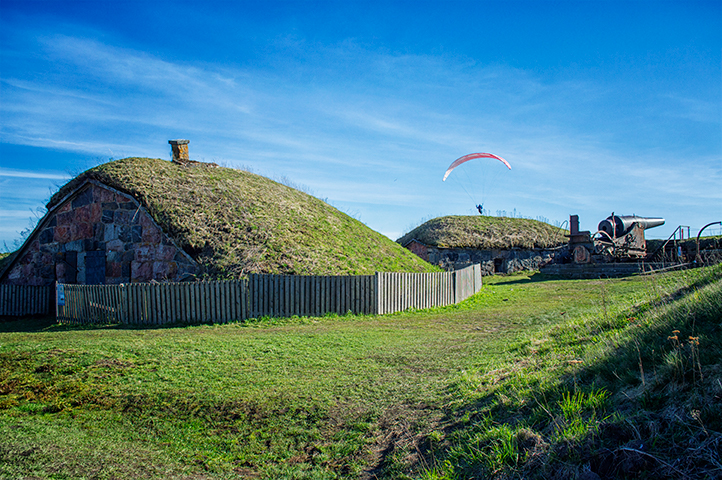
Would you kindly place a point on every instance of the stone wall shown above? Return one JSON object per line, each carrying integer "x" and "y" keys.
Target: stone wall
{"x": 98, "y": 235}
{"x": 494, "y": 260}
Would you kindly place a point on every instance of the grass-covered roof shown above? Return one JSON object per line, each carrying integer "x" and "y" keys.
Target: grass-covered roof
{"x": 483, "y": 232}
{"x": 234, "y": 222}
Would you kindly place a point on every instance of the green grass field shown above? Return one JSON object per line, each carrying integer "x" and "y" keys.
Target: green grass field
{"x": 530, "y": 378}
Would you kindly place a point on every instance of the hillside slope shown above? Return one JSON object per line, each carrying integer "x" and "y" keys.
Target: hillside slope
{"x": 235, "y": 222}
{"x": 486, "y": 232}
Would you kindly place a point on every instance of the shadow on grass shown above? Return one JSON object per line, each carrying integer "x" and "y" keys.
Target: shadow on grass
{"x": 45, "y": 323}
{"x": 514, "y": 279}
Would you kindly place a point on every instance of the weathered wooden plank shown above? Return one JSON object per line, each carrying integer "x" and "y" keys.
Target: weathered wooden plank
{"x": 185, "y": 300}
{"x": 176, "y": 291}
{"x": 244, "y": 303}
{"x": 228, "y": 300}
{"x": 202, "y": 302}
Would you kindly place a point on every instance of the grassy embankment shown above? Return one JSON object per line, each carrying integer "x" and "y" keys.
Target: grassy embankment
{"x": 529, "y": 378}
{"x": 482, "y": 232}
{"x": 234, "y": 222}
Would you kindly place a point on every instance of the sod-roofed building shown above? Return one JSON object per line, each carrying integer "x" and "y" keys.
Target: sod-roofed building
{"x": 96, "y": 234}
{"x": 143, "y": 219}
{"x": 499, "y": 244}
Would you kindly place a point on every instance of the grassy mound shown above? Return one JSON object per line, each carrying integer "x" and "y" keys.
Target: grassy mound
{"x": 235, "y": 222}
{"x": 486, "y": 232}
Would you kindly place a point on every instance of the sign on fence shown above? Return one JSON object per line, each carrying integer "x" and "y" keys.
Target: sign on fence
{"x": 61, "y": 295}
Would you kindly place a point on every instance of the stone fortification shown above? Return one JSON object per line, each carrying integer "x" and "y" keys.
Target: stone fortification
{"x": 98, "y": 235}
{"x": 492, "y": 261}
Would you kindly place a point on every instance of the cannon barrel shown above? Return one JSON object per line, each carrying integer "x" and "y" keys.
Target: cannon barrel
{"x": 618, "y": 225}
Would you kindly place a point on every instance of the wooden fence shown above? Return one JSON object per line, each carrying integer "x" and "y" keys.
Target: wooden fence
{"x": 18, "y": 300}
{"x": 263, "y": 295}
{"x": 153, "y": 303}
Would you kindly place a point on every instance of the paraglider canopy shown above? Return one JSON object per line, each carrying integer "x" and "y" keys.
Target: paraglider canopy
{"x": 472, "y": 156}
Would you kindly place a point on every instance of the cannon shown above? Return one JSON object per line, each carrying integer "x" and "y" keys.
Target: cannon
{"x": 621, "y": 237}
{"x": 618, "y": 238}
{"x": 616, "y": 226}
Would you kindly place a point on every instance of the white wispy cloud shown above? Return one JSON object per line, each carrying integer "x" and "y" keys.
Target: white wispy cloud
{"x": 358, "y": 126}
{"x": 9, "y": 172}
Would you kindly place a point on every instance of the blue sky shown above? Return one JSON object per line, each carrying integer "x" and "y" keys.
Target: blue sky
{"x": 598, "y": 106}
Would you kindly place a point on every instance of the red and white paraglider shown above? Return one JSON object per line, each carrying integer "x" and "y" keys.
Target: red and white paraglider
{"x": 472, "y": 156}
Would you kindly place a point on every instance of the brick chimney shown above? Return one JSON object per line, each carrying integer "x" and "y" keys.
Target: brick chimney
{"x": 180, "y": 151}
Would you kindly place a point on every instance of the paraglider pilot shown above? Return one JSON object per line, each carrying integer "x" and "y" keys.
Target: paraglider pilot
{"x": 481, "y": 209}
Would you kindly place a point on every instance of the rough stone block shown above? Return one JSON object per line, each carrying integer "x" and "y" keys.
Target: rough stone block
{"x": 103, "y": 195}
{"x": 151, "y": 234}
{"x": 81, "y": 231}
{"x": 136, "y": 233}
{"x": 124, "y": 233}
{"x": 46, "y": 236}
{"x": 144, "y": 253}
{"x": 179, "y": 257}
{"x": 125, "y": 270}
{"x": 99, "y": 232}
{"x": 165, "y": 270}
{"x": 51, "y": 248}
{"x": 165, "y": 253}
{"x": 47, "y": 272}
{"x": 82, "y": 214}
{"x": 146, "y": 220}
{"x": 60, "y": 272}
{"x": 110, "y": 233}
{"x": 62, "y": 234}
{"x": 83, "y": 198}
{"x": 115, "y": 245}
{"x": 141, "y": 271}
{"x": 122, "y": 217}
{"x": 65, "y": 218}
{"x": 28, "y": 270}
{"x": 96, "y": 212}
{"x": 75, "y": 246}
{"x": 16, "y": 273}
{"x": 90, "y": 244}
{"x": 113, "y": 269}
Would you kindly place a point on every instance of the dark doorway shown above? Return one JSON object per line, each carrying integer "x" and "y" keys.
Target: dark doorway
{"x": 499, "y": 266}
{"x": 95, "y": 267}
{"x": 70, "y": 259}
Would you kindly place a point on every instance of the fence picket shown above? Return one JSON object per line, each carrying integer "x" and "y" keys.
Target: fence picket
{"x": 255, "y": 296}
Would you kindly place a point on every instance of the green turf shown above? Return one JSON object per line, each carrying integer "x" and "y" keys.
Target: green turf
{"x": 234, "y": 222}
{"x": 482, "y": 232}
{"x": 529, "y": 377}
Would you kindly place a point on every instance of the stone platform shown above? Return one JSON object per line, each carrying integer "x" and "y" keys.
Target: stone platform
{"x": 602, "y": 270}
